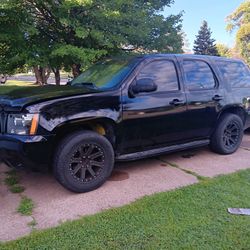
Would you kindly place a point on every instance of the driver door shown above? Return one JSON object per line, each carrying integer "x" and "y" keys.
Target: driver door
{"x": 157, "y": 118}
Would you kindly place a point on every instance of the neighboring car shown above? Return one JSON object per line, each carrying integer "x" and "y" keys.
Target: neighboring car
{"x": 3, "y": 79}
{"x": 125, "y": 109}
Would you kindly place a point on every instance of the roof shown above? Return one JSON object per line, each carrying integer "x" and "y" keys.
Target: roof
{"x": 190, "y": 56}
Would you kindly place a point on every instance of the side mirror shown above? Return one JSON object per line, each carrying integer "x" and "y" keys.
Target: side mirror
{"x": 144, "y": 85}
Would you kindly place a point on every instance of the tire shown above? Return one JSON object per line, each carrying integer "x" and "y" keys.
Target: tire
{"x": 228, "y": 135}
{"x": 83, "y": 161}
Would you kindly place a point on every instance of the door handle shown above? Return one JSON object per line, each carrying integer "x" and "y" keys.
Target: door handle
{"x": 217, "y": 98}
{"x": 176, "y": 102}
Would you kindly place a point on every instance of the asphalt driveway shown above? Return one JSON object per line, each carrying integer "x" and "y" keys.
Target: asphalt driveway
{"x": 130, "y": 181}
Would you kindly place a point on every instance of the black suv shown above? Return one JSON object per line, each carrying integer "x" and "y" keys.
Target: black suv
{"x": 125, "y": 109}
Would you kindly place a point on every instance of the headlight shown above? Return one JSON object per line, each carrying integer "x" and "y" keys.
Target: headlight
{"x": 22, "y": 124}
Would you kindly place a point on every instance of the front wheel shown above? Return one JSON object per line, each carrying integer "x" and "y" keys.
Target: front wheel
{"x": 83, "y": 161}
{"x": 228, "y": 135}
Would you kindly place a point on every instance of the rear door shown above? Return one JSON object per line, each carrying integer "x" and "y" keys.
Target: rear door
{"x": 204, "y": 95}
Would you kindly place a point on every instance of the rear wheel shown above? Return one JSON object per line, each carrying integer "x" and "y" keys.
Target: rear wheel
{"x": 228, "y": 134}
{"x": 83, "y": 161}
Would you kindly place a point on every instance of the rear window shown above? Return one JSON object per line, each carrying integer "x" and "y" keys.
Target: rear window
{"x": 198, "y": 75}
{"x": 236, "y": 73}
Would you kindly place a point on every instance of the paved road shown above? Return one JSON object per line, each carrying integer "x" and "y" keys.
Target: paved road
{"x": 130, "y": 181}
{"x": 31, "y": 78}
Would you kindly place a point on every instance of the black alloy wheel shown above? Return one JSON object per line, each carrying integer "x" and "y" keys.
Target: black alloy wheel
{"x": 83, "y": 161}
{"x": 231, "y": 135}
{"x": 228, "y": 134}
{"x": 87, "y": 162}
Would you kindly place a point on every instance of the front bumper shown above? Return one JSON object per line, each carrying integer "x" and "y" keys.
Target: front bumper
{"x": 26, "y": 151}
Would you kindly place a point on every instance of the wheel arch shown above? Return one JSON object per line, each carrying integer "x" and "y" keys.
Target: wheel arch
{"x": 101, "y": 125}
{"x": 234, "y": 109}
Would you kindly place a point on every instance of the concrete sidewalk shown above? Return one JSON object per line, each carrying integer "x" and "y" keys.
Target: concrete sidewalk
{"x": 129, "y": 182}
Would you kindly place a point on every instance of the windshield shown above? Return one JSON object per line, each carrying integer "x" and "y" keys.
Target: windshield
{"x": 106, "y": 74}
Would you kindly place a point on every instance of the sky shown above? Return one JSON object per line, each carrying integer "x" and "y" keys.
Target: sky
{"x": 213, "y": 11}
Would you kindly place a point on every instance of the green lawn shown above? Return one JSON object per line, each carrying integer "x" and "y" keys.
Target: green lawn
{"x": 194, "y": 217}
{"x": 18, "y": 83}
{"x": 12, "y": 85}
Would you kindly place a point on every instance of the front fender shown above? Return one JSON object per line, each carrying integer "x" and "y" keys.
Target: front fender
{"x": 79, "y": 109}
{"x": 80, "y": 118}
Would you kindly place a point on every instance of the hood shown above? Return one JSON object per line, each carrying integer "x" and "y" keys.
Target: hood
{"x": 14, "y": 98}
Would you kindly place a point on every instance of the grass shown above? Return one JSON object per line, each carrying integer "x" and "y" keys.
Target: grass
{"x": 12, "y": 181}
{"x": 18, "y": 83}
{"x": 11, "y": 178}
{"x": 193, "y": 217}
{"x": 26, "y": 206}
{"x": 199, "y": 177}
{"x": 17, "y": 189}
{"x": 13, "y": 85}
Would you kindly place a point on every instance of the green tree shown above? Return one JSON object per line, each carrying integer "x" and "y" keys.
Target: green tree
{"x": 75, "y": 33}
{"x": 11, "y": 40}
{"x": 240, "y": 20}
{"x": 223, "y": 50}
{"x": 204, "y": 43}
{"x": 22, "y": 43}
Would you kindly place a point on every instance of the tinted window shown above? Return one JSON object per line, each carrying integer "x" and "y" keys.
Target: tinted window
{"x": 198, "y": 75}
{"x": 236, "y": 73}
{"x": 163, "y": 73}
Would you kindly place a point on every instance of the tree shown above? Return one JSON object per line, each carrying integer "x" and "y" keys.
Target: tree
{"x": 21, "y": 42}
{"x": 75, "y": 33}
{"x": 240, "y": 20}
{"x": 11, "y": 40}
{"x": 204, "y": 43}
{"x": 223, "y": 50}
